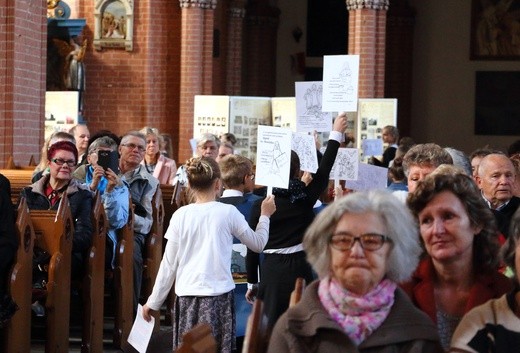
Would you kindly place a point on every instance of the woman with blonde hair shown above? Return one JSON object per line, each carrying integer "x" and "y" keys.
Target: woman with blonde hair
{"x": 198, "y": 257}
{"x": 161, "y": 167}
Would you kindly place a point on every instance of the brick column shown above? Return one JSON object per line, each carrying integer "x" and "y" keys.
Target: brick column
{"x": 236, "y": 14}
{"x": 260, "y": 54}
{"x": 23, "y": 53}
{"x": 367, "y": 33}
{"x": 196, "y": 64}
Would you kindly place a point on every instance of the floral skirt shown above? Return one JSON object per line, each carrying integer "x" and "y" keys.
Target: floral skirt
{"x": 217, "y": 311}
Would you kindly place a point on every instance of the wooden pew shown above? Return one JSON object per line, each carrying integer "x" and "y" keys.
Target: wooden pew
{"x": 198, "y": 340}
{"x": 257, "y": 334}
{"x": 17, "y": 335}
{"x": 171, "y": 195}
{"x": 124, "y": 282}
{"x": 153, "y": 250}
{"x": 54, "y": 231}
{"x": 296, "y": 294}
{"x": 12, "y": 165}
{"x": 19, "y": 179}
{"x": 94, "y": 282}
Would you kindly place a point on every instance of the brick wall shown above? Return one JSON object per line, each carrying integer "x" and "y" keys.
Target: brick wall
{"x": 23, "y": 29}
{"x": 128, "y": 90}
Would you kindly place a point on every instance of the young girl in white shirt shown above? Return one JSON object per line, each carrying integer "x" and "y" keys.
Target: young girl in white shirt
{"x": 198, "y": 257}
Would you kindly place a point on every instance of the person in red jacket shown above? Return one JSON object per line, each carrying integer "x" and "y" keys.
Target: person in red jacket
{"x": 460, "y": 267}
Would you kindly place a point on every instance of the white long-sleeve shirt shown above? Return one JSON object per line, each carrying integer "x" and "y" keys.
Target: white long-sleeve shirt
{"x": 199, "y": 249}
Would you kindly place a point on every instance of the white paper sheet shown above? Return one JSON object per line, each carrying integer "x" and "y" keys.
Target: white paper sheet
{"x": 305, "y": 147}
{"x": 273, "y": 159}
{"x": 370, "y": 177}
{"x": 141, "y": 332}
{"x": 346, "y": 164}
{"x": 309, "y": 115}
{"x": 340, "y": 83}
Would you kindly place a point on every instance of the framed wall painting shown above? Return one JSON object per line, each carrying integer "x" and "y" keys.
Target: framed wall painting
{"x": 114, "y": 22}
{"x": 495, "y": 30}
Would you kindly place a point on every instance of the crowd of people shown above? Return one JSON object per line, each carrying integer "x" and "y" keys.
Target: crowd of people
{"x": 428, "y": 265}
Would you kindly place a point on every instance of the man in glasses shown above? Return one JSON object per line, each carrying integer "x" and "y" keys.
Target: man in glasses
{"x": 142, "y": 188}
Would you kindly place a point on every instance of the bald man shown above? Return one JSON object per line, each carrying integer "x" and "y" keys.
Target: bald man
{"x": 496, "y": 180}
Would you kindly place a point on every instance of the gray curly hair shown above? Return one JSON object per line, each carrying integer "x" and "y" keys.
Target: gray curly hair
{"x": 400, "y": 225}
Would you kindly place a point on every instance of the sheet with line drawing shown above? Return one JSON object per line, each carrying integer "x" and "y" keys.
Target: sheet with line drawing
{"x": 346, "y": 165}
{"x": 273, "y": 158}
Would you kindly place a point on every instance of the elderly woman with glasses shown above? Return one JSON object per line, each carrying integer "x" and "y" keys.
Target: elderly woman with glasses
{"x": 46, "y": 193}
{"x": 458, "y": 231}
{"x": 361, "y": 246}
{"x": 161, "y": 167}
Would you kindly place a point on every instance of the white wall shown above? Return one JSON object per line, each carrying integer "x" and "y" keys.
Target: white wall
{"x": 443, "y": 95}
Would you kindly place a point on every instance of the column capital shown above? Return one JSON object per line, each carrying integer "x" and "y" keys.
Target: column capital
{"x": 367, "y": 4}
{"x": 205, "y": 4}
{"x": 237, "y": 8}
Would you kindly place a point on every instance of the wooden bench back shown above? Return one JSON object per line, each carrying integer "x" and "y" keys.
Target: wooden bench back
{"x": 154, "y": 249}
{"x": 257, "y": 334}
{"x": 17, "y": 336}
{"x": 124, "y": 281}
{"x": 94, "y": 282}
{"x": 12, "y": 165}
{"x": 18, "y": 179}
{"x": 54, "y": 231}
{"x": 296, "y": 294}
{"x": 198, "y": 340}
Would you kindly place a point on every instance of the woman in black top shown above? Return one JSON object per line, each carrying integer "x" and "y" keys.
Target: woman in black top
{"x": 284, "y": 259}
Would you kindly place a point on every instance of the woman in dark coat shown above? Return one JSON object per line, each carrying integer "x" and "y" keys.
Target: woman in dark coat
{"x": 46, "y": 193}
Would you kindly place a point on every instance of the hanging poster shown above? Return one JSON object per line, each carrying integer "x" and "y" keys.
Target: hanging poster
{"x": 373, "y": 115}
{"x": 246, "y": 114}
{"x": 210, "y": 115}
{"x": 61, "y": 111}
{"x": 284, "y": 112}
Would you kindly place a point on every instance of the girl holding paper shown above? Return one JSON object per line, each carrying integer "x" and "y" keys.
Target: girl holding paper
{"x": 198, "y": 257}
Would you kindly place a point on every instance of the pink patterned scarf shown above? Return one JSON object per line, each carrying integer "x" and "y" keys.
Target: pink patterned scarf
{"x": 358, "y": 316}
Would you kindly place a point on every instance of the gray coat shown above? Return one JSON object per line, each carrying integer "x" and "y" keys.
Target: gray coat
{"x": 307, "y": 327}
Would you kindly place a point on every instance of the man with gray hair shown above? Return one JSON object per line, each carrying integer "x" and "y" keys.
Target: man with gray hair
{"x": 207, "y": 146}
{"x": 142, "y": 189}
{"x": 496, "y": 179}
{"x": 420, "y": 161}
{"x": 114, "y": 192}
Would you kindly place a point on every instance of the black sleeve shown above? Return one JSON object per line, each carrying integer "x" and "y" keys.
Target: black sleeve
{"x": 321, "y": 178}
{"x": 253, "y": 258}
{"x": 388, "y": 155}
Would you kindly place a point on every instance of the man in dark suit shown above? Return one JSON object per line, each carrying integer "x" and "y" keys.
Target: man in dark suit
{"x": 496, "y": 179}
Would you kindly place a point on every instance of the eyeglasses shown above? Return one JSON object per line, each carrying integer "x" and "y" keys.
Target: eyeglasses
{"x": 368, "y": 241}
{"x": 60, "y": 162}
{"x": 133, "y": 146}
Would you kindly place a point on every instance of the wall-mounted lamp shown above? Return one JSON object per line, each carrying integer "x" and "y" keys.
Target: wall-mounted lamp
{"x": 297, "y": 34}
